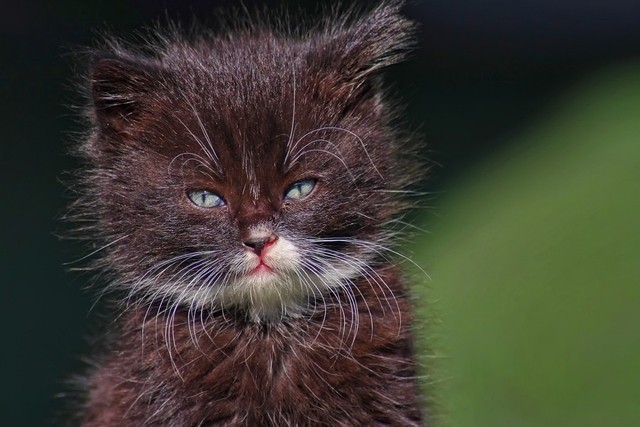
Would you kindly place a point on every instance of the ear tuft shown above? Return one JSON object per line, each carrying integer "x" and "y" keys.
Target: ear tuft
{"x": 350, "y": 55}
{"x": 118, "y": 90}
{"x": 360, "y": 48}
{"x": 378, "y": 40}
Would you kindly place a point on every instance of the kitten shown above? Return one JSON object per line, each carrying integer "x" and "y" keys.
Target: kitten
{"x": 242, "y": 188}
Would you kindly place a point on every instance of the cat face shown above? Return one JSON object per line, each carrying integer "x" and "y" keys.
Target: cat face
{"x": 256, "y": 176}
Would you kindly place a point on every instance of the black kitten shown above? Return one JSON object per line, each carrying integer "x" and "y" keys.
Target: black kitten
{"x": 243, "y": 188}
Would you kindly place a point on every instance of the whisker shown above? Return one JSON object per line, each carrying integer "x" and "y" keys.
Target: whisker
{"x": 353, "y": 134}
{"x": 293, "y": 118}
{"x": 96, "y": 251}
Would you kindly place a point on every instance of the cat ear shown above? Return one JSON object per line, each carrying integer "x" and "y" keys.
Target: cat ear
{"x": 358, "y": 50}
{"x": 119, "y": 88}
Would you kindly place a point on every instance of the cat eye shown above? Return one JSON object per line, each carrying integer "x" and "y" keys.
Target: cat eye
{"x": 299, "y": 190}
{"x": 205, "y": 199}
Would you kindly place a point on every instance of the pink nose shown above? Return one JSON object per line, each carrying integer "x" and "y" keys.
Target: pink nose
{"x": 258, "y": 244}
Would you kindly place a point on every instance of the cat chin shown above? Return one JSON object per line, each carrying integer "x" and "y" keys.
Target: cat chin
{"x": 273, "y": 296}
{"x": 269, "y": 297}
{"x": 265, "y": 297}
{"x": 286, "y": 289}
{"x": 283, "y": 289}
{"x": 287, "y": 281}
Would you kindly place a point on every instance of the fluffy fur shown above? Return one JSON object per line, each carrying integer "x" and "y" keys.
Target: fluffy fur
{"x": 311, "y": 324}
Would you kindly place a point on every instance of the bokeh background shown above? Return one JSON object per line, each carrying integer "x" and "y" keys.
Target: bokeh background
{"x": 531, "y": 112}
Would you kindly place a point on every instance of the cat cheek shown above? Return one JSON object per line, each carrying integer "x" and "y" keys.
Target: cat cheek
{"x": 284, "y": 255}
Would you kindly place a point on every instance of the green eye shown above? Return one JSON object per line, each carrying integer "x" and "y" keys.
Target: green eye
{"x": 205, "y": 199}
{"x": 299, "y": 190}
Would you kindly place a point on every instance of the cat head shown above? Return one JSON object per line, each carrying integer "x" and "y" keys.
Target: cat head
{"x": 256, "y": 170}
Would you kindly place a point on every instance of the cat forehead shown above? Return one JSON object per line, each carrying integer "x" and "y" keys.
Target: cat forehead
{"x": 228, "y": 67}
{"x": 247, "y": 158}
{"x": 258, "y": 80}
{"x": 254, "y": 135}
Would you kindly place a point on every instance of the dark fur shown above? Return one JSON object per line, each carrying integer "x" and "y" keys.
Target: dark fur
{"x": 346, "y": 359}
{"x": 290, "y": 373}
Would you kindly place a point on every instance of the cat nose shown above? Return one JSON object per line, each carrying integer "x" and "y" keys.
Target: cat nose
{"x": 259, "y": 243}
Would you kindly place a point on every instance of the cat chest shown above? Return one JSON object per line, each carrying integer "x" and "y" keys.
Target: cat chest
{"x": 267, "y": 375}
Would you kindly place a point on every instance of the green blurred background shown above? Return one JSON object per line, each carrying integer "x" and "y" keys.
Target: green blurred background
{"x": 531, "y": 112}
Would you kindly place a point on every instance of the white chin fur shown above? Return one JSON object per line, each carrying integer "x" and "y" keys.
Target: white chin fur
{"x": 287, "y": 291}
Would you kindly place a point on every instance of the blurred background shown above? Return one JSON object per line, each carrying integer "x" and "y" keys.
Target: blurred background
{"x": 531, "y": 112}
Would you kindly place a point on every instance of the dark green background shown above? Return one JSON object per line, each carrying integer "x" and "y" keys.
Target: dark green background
{"x": 530, "y": 110}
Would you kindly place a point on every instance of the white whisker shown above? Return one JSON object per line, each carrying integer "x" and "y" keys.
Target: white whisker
{"x": 101, "y": 248}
